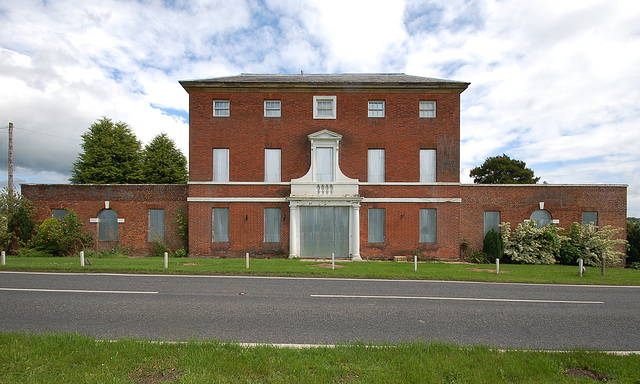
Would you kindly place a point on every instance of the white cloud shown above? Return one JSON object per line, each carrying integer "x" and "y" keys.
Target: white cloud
{"x": 552, "y": 83}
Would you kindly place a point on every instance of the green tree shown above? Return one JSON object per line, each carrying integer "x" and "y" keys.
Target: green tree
{"x": 633, "y": 238}
{"x": 503, "y": 170}
{"x": 111, "y": 155}
{"x": 163, "y": 162}
{"x": 16, "y": 213}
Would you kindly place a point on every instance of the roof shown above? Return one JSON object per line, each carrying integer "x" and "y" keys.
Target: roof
{"x": 345, "y": 80}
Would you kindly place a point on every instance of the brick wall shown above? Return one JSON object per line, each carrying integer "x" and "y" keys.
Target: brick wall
{"x": 516, "y": 203}
{"x": 246, "y": 132}
{"x": 130, "y": 202}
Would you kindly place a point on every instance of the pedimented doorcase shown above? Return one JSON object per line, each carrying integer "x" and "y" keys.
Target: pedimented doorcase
{"x": 324, "y": 205}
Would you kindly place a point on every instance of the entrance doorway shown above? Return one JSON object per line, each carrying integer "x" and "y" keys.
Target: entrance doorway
{"x": 323, "y": 231}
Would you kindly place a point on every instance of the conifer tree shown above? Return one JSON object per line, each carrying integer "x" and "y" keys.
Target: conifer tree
{"x": 163, "y": 162}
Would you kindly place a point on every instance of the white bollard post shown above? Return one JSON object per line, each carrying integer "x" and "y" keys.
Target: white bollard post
{"x": 82, "y": 258}
{"x": 247, "y": 260}
{"x": 497, "y": 266}
{"x": 166, "y": 260}
{"x": 333, "y": 261}
{"x": 580, "y": 265}
{"x": 3, "y": 258}
{"x": 415, "y": 263}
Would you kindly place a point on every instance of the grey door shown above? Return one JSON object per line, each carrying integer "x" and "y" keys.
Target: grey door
{"x": 324, "y": 230}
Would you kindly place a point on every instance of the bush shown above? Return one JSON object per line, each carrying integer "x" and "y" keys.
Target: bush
{"x": 591, "y": 243}
{"x": 479, "y": 257}
{"x": 633, "y": 238}
{"x": 529, "y": 244}
{"x": 21, "y": 225}
{"x": 160, "y": 247}
{"x": 182, "y": 252}
{"x": 183, "y": 227}
{"x": 493, "y": 245}
{"x": 62, "y": 237}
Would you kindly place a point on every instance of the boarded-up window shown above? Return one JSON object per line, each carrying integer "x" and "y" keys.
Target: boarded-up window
{"x": 272, "y": 165}
{"x": 156, "y": 224}
{"x": 428, "y": 225}
{"x": 220, "y": 224}
{"x": 107, "y": 225}
{"x": 272, "y": 225}
{"x": 376, "y": 166}
{"x": 58, "y": 213}
{"x": 221, "y": 164}
{"x": 491, "y": 221}
{"x": 376, "y": 225}
{"x": 590, "y": 217}
{"x": 427, "y": 165}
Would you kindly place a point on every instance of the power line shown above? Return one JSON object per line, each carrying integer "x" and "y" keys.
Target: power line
{"x": 47, "y": 134}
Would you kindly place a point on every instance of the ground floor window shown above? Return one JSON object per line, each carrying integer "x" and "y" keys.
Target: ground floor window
{"x": 541, "y": 217}
{"x": 491, "y": 221}
{"x": 428, "y": 225}
{"x": 156, "y": 224}
{"x": 107, "y": 225}
{"x": 590, "y": 217}
{"x": 58, "y": 213}
{"x": 376, "y": 225}
{"x": 220, "y": 218}
{"x": 272, "y": 225}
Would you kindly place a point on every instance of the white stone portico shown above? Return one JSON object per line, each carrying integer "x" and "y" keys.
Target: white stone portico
{"x": 324, "y": 205}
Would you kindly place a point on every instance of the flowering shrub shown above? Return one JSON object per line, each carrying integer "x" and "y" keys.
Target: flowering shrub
{"x": 529, "y": 244}
{"x": 62, "y": 237}
{"x": 588, "y": 242}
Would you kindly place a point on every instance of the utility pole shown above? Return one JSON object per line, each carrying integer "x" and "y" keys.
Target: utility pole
{"x": 10, "y": 168}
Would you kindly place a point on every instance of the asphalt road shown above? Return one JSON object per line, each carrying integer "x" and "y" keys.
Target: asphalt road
{"x": 327, "y": 311}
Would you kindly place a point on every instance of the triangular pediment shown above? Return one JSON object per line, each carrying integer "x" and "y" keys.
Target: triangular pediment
{"x": 325, "y": 134}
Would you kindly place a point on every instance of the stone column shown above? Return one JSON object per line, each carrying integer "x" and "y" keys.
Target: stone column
{"x": 355, "y": 232}
{"x": 294, "y": 231}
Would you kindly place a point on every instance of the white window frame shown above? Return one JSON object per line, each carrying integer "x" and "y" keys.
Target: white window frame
{"x": 375, "y": 165}
{"x": 374, "y": 110}
{"x": 317, "y": 100}
{"x": 220, "y": 171}
{"x": 221, "y": 108}
{"x": 270, "y": 109}
{"x": 427, "y": 109}
{"x": 272, "y": 165}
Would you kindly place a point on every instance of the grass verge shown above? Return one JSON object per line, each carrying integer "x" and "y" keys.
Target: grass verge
{"x": 68, "y": 358}
{"x": 511, "y": 273}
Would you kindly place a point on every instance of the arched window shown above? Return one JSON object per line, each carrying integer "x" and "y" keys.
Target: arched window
{"x": 541, "y": 217}
{"x": 107, "y": 225}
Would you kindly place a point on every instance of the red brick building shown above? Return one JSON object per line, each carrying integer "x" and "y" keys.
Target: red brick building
{"x": 358, "y": 165}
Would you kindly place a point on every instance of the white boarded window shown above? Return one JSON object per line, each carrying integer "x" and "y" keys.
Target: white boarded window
{"x": 491, "y": 221}
{"x": 590, "y": 217}
{"x": 107, "y": 225}
{"x": 220, "y": 218}
{"x": 376, "y": 166}
{"x": 324, "y": 164}
{"x": 376, "y": 225}
{"x": 221, "y": 164}
{"x": 428, "y": 109}
{"x": 324, "y": 107}
{"x": 428, "y": 225}
{"x": 376, "y": 109}
{"x": 427, "y": 165}
{"x": 272, "y": 225}
{"x": 272, "y": 165}
{"x": 58, "y": 213}
{"x": 272, "y": 108}
{"x": 221, "y": 108}
{"x": 156, "y": 224}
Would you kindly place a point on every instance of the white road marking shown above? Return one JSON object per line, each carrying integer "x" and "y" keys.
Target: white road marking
{"x": 458, "y": 299}
{"x": 75, "y": 291}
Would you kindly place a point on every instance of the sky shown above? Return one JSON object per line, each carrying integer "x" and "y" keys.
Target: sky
{"x": 553, "y": 83}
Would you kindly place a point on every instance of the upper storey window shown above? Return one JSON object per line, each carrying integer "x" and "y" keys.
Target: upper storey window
{"x": 221, "y": 108}
{"x": 324, "y": 107}
{"x": 428, "y": 109}
{"x": 376, "y": 109}
{"x": 272, "y": 108}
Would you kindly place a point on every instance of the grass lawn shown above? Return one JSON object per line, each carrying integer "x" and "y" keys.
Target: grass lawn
{"x": 548, "y": 274}
{"x": 70, "y": 358}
